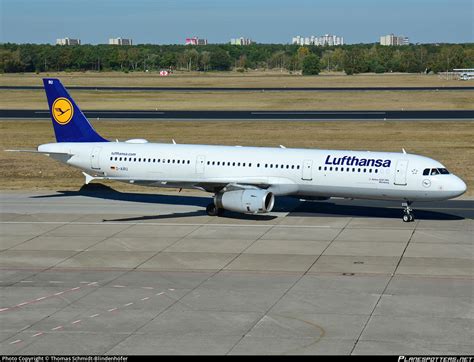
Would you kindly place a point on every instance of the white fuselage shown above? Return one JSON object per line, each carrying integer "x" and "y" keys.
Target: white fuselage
{"x": 283, "y": 171}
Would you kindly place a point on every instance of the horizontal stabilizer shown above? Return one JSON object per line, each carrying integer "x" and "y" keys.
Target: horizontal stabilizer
{"x": 88, "y": 177}
{"x": 42, "y": 152}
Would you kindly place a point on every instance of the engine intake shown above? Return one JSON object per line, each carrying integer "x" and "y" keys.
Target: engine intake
{"x": 246, "y": 201}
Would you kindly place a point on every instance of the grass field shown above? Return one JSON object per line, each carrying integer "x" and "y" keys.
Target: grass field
{"x": 257, "y": 79}
{"x": 449, "y": 142}
{"x": 90, "y": 100}
{"x": 367, "y": 100}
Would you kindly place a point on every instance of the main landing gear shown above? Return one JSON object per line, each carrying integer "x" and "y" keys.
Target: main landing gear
{"x": 407, "y": 212}
{"x": 213, "y": 210}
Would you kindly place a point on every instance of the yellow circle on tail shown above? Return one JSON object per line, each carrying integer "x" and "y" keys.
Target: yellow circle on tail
{"x": 62, "y": 111}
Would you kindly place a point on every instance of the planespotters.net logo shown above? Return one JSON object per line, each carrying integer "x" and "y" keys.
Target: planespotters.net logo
{"x": 62, "y": 111}
{"x": 435, "y": 359}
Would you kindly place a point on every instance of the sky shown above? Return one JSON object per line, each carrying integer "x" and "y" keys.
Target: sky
{"x": 264, "y": 21}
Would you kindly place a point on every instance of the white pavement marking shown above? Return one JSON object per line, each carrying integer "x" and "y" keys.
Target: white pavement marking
{"x": 183, "y": 224}
{"x": 78, "y": 320}
{"x": 42, "y": 298}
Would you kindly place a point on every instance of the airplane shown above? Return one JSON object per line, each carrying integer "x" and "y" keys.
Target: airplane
{"x": 244, "y": 179}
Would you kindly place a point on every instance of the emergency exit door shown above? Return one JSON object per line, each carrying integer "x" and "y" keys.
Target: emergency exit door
{"x": 200, "y": 161}
{"x": 307, "y": 170}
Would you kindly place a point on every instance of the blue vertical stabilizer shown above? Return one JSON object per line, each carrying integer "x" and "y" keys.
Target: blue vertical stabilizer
{"x": 70, "y": 124}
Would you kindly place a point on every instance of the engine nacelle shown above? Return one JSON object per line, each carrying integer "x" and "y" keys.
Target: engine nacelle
{"x": 246, "y": 201}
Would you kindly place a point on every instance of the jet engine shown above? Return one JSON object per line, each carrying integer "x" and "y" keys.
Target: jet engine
{"x": 247, "y": 201}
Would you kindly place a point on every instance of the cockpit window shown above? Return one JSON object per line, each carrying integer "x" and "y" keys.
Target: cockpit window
{"x": 435, "y": 171}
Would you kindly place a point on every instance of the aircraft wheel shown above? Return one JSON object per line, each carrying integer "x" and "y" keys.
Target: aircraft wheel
{"x": 212, "y": 210}
{"x": 406, "y": 218}
{"x": 412, "y": 217}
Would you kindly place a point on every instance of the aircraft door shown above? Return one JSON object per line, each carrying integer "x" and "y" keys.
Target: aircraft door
{"x": 401, "y": 173}
{"x": 307, "y": 170}
{"x": 200, "y": 162}
{"x": 95, "y": 155}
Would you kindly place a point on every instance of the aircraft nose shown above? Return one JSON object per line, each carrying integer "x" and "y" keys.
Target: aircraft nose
{"x": 458, "y": 186}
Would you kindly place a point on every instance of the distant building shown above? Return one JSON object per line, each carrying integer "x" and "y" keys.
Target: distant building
{"x": 120, "y": 41}
{"x": 241, "y": 41}
{"x": 322, "y": 40}
{"x": 394, "y": 40}
{"x": 68, "y": 41}
{"x": 195, "y": 41}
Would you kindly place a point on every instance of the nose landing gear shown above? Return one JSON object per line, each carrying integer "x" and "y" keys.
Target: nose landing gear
{"x": 408, "y": 216}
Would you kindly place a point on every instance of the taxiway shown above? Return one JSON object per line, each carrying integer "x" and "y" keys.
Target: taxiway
{"x": 97, "y": 271}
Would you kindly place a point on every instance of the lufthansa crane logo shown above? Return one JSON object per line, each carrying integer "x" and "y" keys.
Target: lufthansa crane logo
{"x": 62, "y": 111}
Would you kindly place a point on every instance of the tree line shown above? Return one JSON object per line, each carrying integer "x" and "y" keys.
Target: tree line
{"x": 309, "y": 59}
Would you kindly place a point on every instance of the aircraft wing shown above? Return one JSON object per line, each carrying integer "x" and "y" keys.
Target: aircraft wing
{"x": 209, "y": 184}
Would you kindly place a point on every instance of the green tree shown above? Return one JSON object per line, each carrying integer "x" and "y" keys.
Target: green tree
{"x": 354, "y": 61}
{"x": 311, "y": 65}
{"x": 278, "y": 60}
{"x": 220, "y": 60}
{"x": 204, "y": 60}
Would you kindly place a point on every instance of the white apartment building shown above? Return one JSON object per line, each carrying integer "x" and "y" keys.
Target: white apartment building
{"x": 120, "y": 41}
{"x": 394, "y": 40}
{"x": 241, "y": 41}
{"x": 322, "y": 40}
{"x": 68, "y": 41}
